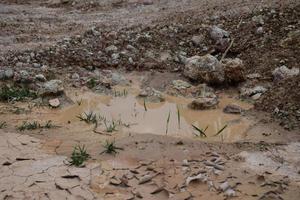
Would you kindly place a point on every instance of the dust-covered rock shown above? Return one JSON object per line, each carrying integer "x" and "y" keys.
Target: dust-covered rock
{"x": 283, "y": 72}
{"x": 52, "y": 87}
{"x": 234, "y": 70}
{"x": 232, "y": 109}
{"x": 206, "y": 69}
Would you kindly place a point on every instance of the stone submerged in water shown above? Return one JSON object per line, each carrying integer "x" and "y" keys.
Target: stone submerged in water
{"x": 233, "y": 109}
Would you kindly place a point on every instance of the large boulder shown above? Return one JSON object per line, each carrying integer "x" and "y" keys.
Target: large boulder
{"x": 234, "y": 70}
{"x": 283, "y": 72}
{"x": 52, "y": 87}
{"x": 205, "y": 69}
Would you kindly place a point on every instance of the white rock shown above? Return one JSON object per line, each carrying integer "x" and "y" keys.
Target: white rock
{"x": 54, "y": 103}
{"x": 283, "y": 72}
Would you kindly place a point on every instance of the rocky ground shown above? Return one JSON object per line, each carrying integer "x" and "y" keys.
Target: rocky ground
{"x": 53, "y": 52}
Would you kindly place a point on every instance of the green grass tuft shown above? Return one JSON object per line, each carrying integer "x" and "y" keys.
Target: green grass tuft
{"x": 79, "y": 156}
{"x": 200, "y": 131}
{"x": 110, "y": 148}
{"x": 15, "y": 94}
{"x": 3, "y": 125}
{"x": 89, "y": 118}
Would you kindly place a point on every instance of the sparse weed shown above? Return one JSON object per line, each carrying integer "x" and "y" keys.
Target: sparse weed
{"x": 48, "y": 125}
{"x": 79, "y": 156}
{"x": 200, "y": 131}
{"x": 92, "y": 83}
{"x": 3, "y": 125}
{"x": 29, "y": 126}
{"x": 89, "y": 118}
{"x": 123, "y": 93}
{"x": 111, "y": 127}
{"x": 110, "y": 148}
{"x": 79, "y": 102}
{"x": 15, "y": 94}
{"x": 35, "y": 125}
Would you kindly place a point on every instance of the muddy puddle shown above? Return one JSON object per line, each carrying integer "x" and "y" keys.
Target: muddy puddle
{"x": 129, "y": 114}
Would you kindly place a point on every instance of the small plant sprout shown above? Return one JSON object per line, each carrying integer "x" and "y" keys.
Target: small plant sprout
{"x": 221, "y": 130}
{"x": 3, "y": 125}
{"x": 79, "y": 156}
{"x": 48, "y": 125}
{"x": 178, "y": 116}
{"x": 168, "y": 121}
{"x": 29, "y": 126}
{"x": 111, "y": 127}
{"x": 145, "y": 107}
{"x": 92, "y": 83}
{"x": 200, "y": 131}
{"x": 89, "y": 118}
{"x": 110, "y": 148}
{"x": 79, "y": 102}
{"x": 123, "y": 93}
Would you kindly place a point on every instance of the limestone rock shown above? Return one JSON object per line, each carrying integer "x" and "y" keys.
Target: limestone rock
{"x": 234, "y": 70}
{"x": 283, "y": 72}
{"x": 205, "y": 69}
{"x": 51, "y": 87}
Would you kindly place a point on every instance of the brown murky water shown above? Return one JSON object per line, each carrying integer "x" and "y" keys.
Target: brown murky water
{"x": 130, "y": 111}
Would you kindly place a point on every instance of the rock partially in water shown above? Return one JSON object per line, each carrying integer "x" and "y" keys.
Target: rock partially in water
{"x": 209, "y": 101}
{"x": 234, "y": 70}
{"x": 206, "y": 69}
{"x": 53, "y": 87}
{"x": 283, "y": 72}
{"x": 152, "y": 95}
{"x": 233, "y": 109}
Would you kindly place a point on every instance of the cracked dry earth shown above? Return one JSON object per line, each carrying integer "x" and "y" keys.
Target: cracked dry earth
{"x": 27, "y": 172}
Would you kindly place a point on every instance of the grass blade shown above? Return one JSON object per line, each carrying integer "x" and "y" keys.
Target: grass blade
{"x": 178, "y": 116}
{"x": 202, "y": 134}
{"x": 221, "y": 130}
{"x": 168, "y": 120}
{"x": 145, "y": 107}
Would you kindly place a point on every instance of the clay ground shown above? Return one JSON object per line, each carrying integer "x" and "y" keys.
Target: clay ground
{"x": 257, "y": 158}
